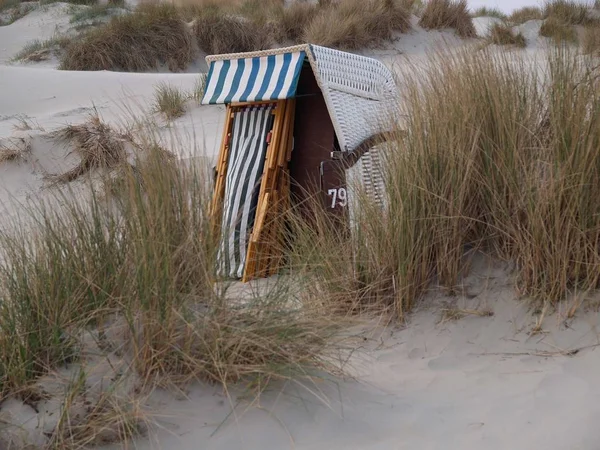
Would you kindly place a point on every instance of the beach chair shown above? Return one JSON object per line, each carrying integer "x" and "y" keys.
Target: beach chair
{"x": 297, "y": 121}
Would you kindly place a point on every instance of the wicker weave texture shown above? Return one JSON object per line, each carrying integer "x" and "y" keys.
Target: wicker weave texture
{"x": 360, "y": 93}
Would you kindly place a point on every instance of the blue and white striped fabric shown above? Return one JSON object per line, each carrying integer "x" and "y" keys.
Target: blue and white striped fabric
{"x": 273, "y": 77}
{"x": 248, "y": 148}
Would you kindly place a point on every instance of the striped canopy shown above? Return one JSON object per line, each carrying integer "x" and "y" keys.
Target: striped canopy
{"x": 261, "y": 78}
{"x": 360, "y": 92}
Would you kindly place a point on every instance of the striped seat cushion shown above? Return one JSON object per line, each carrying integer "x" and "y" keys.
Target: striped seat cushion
{"x": 247, "y": 152}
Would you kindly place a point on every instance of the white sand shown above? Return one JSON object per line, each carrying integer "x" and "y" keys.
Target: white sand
{"x": 472, "y": 384}
{"x": 477, "y": 383}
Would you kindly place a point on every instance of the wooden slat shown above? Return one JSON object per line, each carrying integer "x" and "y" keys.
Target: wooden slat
{"x": 216, "y": 207}
{"x": 280, "y": 205}
{"x": 254, "y": 244}
{"x": 270, "y": 261}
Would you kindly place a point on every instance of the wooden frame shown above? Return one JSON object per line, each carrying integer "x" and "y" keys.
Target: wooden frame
{"x": 265, "y": 242}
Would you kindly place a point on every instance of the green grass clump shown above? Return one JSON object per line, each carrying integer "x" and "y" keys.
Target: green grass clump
{"x": 525, "y": 14}
{"x": 169, "y": 101}
{"x": 92, "y": 13}
{"x": 153, "y": 35}
{"x": 42, "y": 50}
{"x": 489, "y": 12}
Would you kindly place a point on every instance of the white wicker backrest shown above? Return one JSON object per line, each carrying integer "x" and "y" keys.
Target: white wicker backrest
{"x": 360, "y": 93}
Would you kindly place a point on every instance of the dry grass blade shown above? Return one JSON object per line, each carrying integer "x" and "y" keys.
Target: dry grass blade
{"x": 97, "y": 144}
{"x": 439, "y": 14}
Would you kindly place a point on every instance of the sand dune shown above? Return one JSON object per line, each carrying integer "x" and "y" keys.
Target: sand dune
{"x": 473, "y": 383}
{"x": 476, "y": 380}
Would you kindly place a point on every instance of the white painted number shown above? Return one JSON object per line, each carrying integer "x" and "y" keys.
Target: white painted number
{"x": 338, "y": 197}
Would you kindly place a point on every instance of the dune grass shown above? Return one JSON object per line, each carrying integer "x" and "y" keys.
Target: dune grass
{"x": 94, "y": 12}
{"x": 11, "y": 11}
{"x": 561, "y": 18}
{"x": 354, "y": 24}
{"x": 218, "y": 32}
{"x": 490, "y": 158}
{"x": 152, "y": 36}
{"x": 440, "y": 14}
{"x": 13, "y": 151}
{"x": 38, "y": 50}
{"x": 7, "y": 4}
{"x": 570, "y": 12}
{"x": 295, "y": 19}
{"x": 484, "y": 11}
{"x": 525, "y": 14}
{"x": 591, "y": 40}
{"x": 140, "y": 252}
{"x": 199, "y": 88}
{"x": 516, "y": 183}
{"x": 72, "y": 2}
{"x": 503, "y": 34}
{"x": 558, "y": 30}
{"x": 249, "y": 25}
{"x": 169, "y": 100}
{"x": 97, "y": 145}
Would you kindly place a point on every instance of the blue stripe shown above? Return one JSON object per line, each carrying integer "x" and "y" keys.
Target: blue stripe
{"x": 297, "y": 69}
{"x": 287, "y": 59}
{"x": 246, "y": 81}
{"x": 236, "y": 80}
{"x": 208, "y": 78}
{"x": 221, "y": 82}
{"x": 251, "y": 79}
{"x": 267, "y": 78}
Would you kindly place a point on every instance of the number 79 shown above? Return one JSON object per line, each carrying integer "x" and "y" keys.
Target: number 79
{"x": 338, "y": 197}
